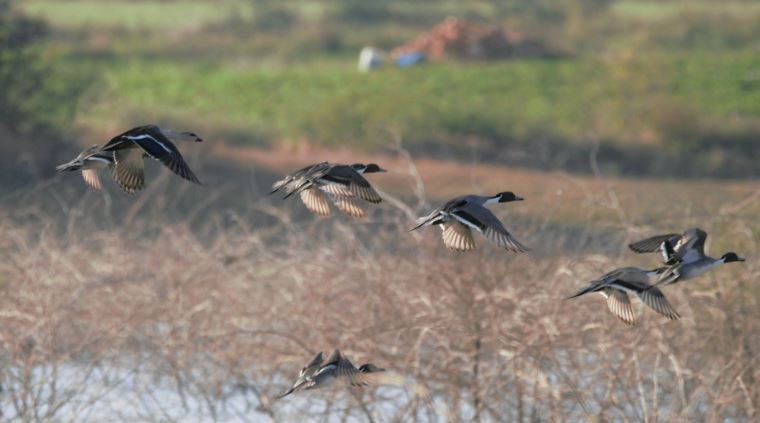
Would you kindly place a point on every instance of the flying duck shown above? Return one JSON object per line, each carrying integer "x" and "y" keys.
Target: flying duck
{"x": 130, "y": 147}
{"x": 341, "y": 184}
{"x": 338, "y": 369}
{"x": 616, "y": 285}
{"x": 459, "y": 216}
{"x": 684, "y": 253}
{"x": 89, "y": 161}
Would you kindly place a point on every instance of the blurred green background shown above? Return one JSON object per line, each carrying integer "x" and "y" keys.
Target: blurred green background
{"x": 668, "y": 88}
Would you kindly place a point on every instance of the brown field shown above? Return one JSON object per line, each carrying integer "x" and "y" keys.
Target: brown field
{"x": 192, "y": 303}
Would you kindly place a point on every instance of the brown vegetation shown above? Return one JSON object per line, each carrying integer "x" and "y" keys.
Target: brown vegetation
{"x": 217, "y": 317}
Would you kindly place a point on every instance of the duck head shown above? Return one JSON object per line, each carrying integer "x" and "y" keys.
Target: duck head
{"x": 507, "y": 196}
{"x": 370, "y": 368}
{"x": 368, "y": 168}
{"x": 182, "y": 136}
{"x": 731, "y": 257}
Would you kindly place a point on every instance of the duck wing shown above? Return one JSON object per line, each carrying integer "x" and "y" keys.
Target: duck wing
{"x": 346, "y": 181}
{"x": 620, "y": 305}
{"x": 655, "y": 299}
{"x": 346, "y": 372}
{"x": 652, "y": 244}
{"x": 158, "y": 147}
{"x": 349, "y": 206}
{"x": 480, "y": 218}
{"x": 91, "y": 178}
{"x": 128, "y": 170}
{"x": 124, "y": 140}
{"x": 457, "y": 237}
{"x": 315, "y": 201}
{"x": 691, "y": 246}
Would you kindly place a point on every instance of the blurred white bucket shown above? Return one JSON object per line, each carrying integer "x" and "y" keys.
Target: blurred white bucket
{"x": 370, "y": 58}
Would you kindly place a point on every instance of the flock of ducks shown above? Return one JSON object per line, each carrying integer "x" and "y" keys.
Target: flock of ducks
{"x": 683, "y": 258}
{"x": 345, "y": 186}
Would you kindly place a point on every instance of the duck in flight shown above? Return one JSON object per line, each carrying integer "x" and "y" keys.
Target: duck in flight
{"x": 89, "y": 161}
{"x": 338, "y": 370}
{"x": 131, "y": 147}
{"x": 617, "y": 284}
{"x": 684, "y": 253}
{"x": 458, "y": 217}
{"x": 343, "y": 185}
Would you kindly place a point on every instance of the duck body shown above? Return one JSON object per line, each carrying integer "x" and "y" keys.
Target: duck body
{"x": 131, "y": 147}
{"x": 617, "y": 284}
{"x": 682, "y": 271}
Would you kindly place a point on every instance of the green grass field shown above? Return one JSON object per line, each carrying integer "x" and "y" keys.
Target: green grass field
{"x": 134, "y": 16}
{"x": 654, "y": 10}
{"x": 635, "y": 74}
{"x": 335, "y": 104}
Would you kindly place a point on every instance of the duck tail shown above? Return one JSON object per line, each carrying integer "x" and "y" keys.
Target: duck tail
{"x": 68, "y": 167}
{"x": 298, "y": 189}
{"x": 422, "y": 221}
{"x": 417, "y": 225}
{"x": 582, "y": 291}
{"x": 289, "y": 391}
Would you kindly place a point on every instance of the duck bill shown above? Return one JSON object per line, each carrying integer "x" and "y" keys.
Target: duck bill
{"x": 518, "y": 198}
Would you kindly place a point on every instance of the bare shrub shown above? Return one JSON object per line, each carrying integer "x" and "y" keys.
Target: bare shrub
{"x": 209, "y": 318}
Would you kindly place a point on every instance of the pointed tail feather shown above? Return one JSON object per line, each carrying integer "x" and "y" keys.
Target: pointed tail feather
{"x": 422, "y": 221}
{"x": 582, "y": 291}
{"x": 289, "y": 391}
{"x": 67, "y": 167}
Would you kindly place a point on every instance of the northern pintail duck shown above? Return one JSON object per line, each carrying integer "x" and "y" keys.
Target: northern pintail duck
{"x": 89, "y": 161}
{"x": 338, "y": 369}
{"x": 342, "y": 184}
{"x": 616, "y": 285}
{"x": 685, "y": 253}
{"x": 131, "y": 147}
{"x": 459, "y": 216}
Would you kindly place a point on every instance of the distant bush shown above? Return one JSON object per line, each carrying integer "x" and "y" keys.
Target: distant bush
{"x": 36, "y": 99}
{"x": 273, "y": 17}
{"x": 691, "y": 29}
{"x": 363, "y": 11}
